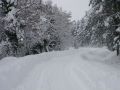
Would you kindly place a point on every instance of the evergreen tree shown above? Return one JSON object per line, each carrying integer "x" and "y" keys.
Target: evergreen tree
{"x": 111, "y": 15}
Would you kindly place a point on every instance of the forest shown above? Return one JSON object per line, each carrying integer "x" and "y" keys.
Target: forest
{"x": 30, "y": 27}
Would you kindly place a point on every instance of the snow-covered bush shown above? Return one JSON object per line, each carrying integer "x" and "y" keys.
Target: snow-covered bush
{"x": 4, "y": 49}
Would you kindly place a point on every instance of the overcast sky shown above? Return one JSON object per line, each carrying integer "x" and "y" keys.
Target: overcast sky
{"x": 77, "y": 7}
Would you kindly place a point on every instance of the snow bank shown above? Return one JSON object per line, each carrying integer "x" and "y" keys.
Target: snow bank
{"x": 82, "y": 69}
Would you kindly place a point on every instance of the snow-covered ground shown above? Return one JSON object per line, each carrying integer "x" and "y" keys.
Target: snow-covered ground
{"x": 82, "y": 69}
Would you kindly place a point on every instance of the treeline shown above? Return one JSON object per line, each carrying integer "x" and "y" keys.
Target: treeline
{"x": 100, "y": 26}
{"x": 32, "y": 26}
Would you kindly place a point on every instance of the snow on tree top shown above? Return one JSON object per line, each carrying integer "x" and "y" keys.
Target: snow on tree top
{"x": 11, "y": 1}
{"x": 118, "y": 29}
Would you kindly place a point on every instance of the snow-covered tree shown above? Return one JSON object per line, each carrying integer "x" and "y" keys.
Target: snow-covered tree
{"x": 34, "y": 26}
{"x": 102, "y": 24}
{"x": 111, "y": 12}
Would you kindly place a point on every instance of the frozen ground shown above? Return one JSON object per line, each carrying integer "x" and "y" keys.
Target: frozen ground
{"x": 82, "y": 69}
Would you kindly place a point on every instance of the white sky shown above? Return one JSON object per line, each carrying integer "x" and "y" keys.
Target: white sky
{"x": 77, "y": 7}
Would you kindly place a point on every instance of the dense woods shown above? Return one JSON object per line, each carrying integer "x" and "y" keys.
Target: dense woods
{"x": 35, "y": 26}
{"x": 32, "y": 26}
{"x": 100, "y": 26}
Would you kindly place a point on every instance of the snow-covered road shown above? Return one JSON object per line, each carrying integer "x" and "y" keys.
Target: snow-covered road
{"x": 83, "y": 69}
